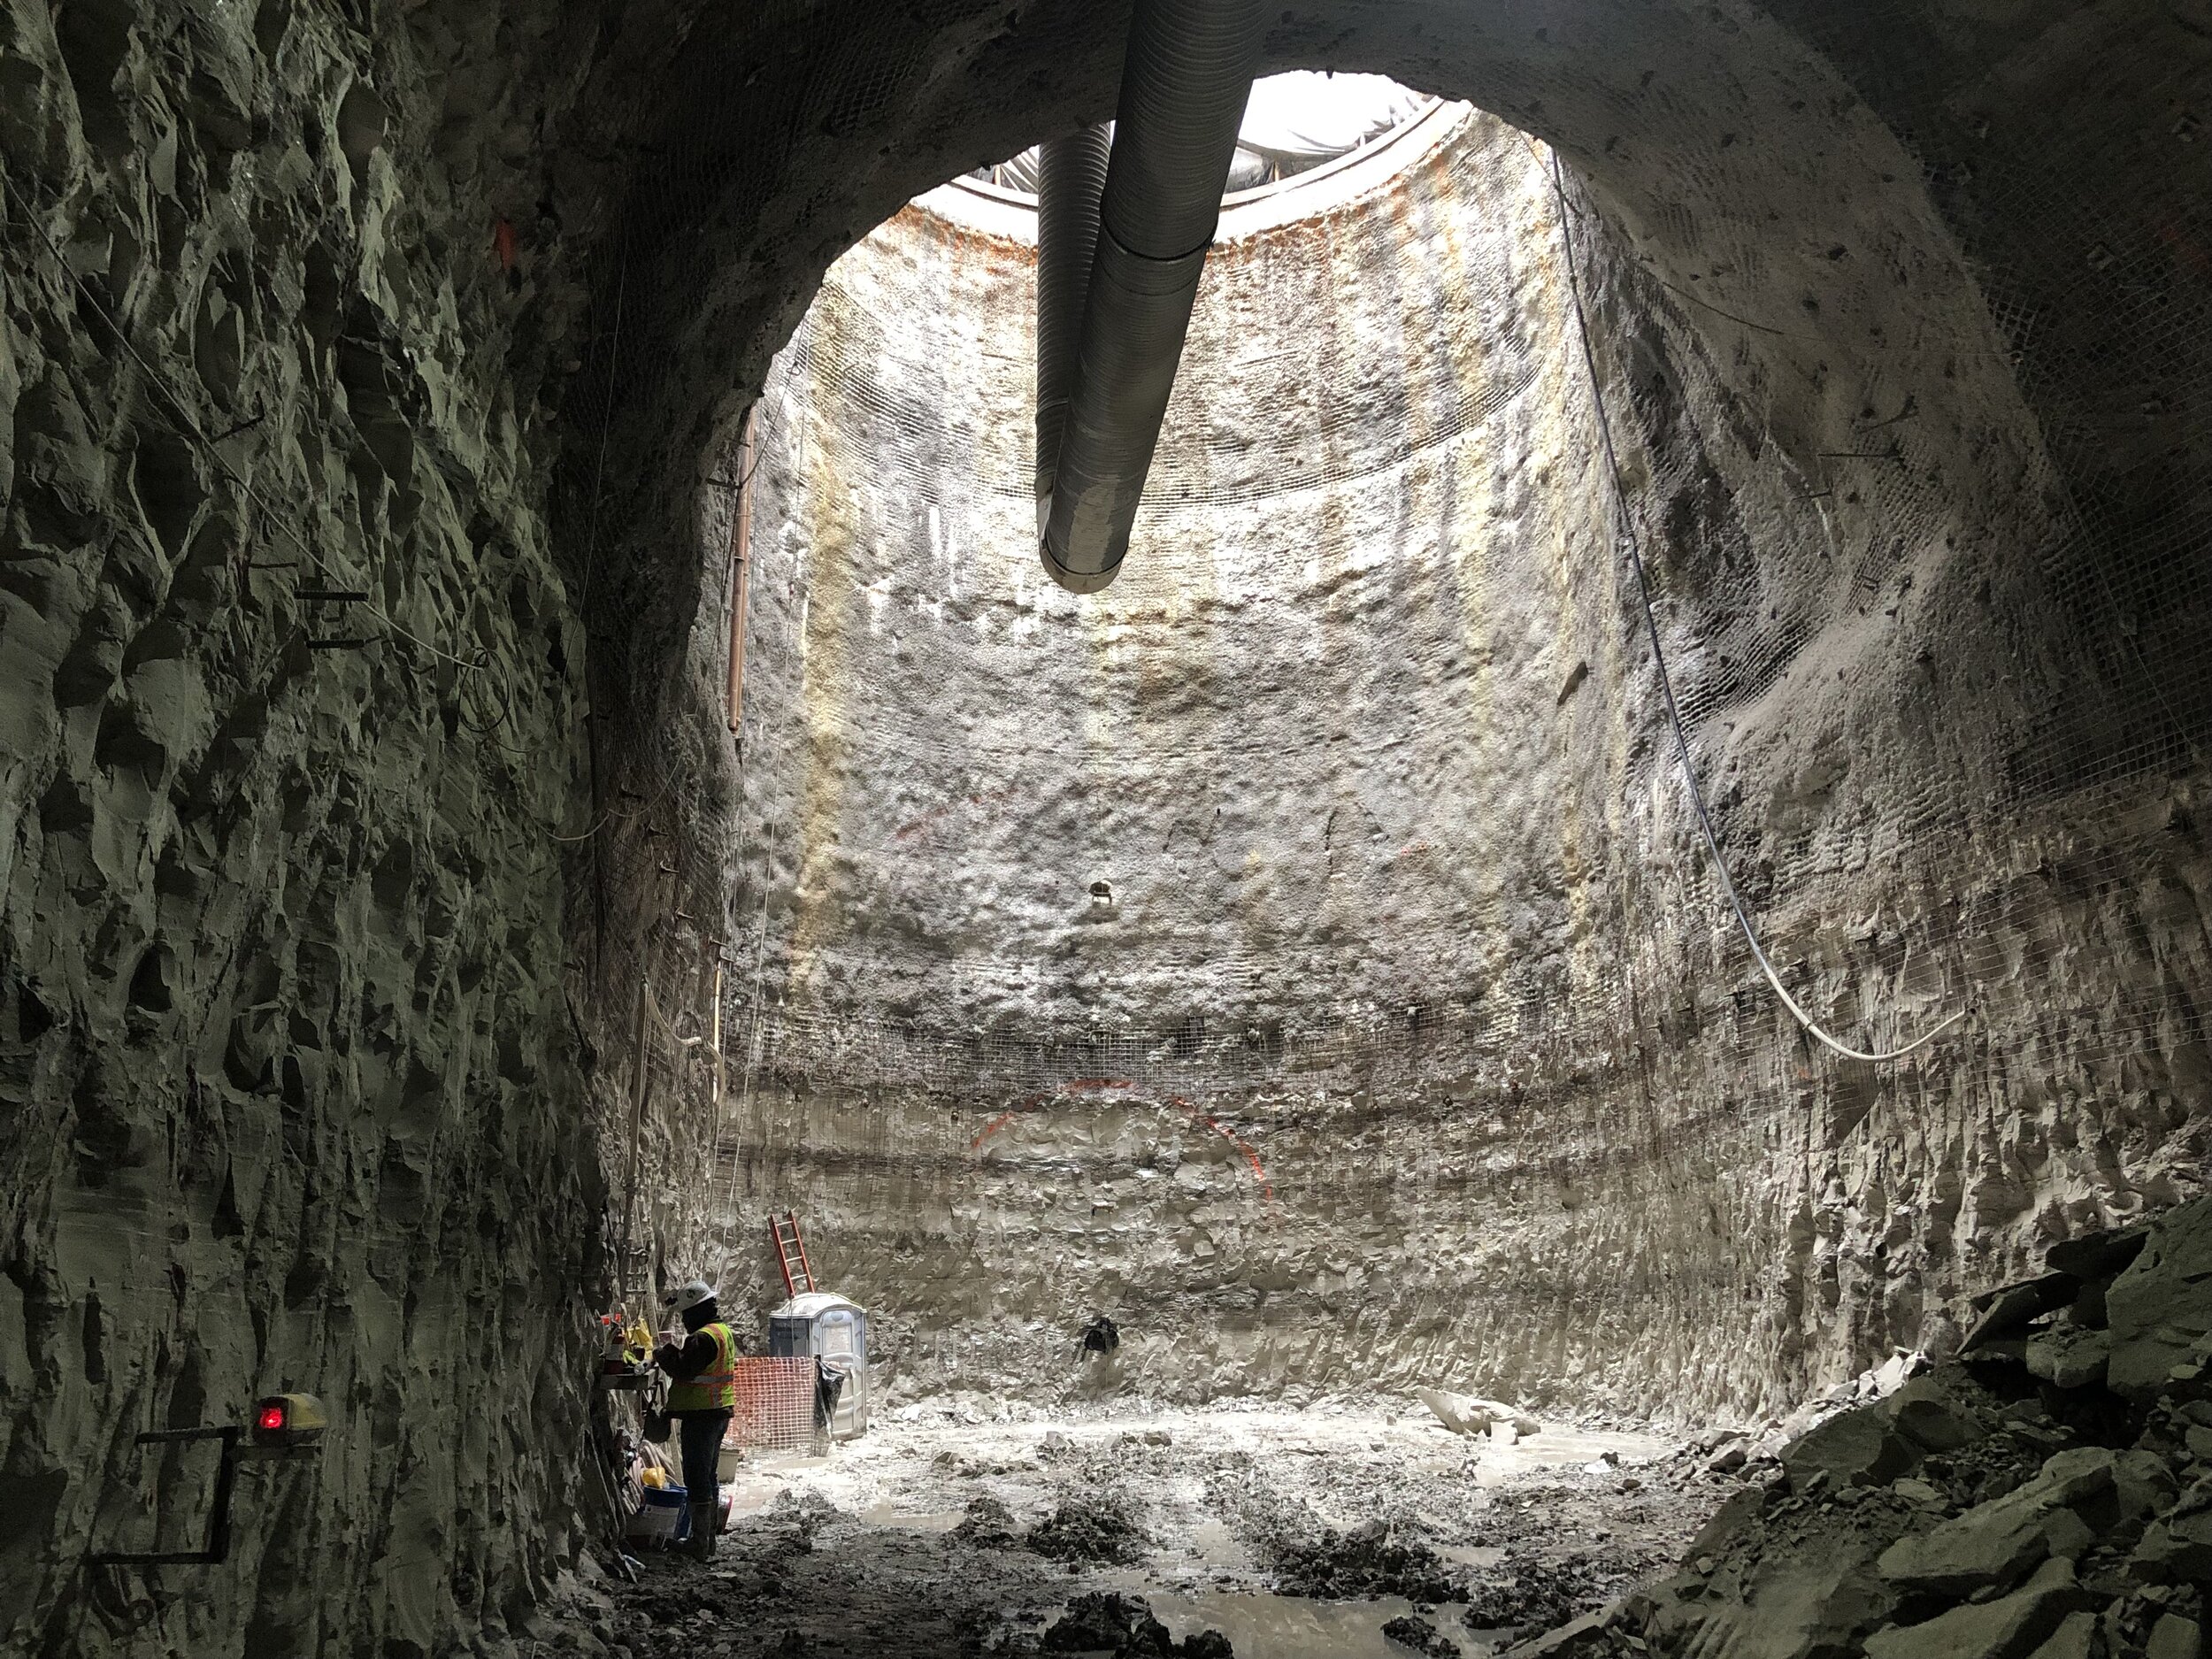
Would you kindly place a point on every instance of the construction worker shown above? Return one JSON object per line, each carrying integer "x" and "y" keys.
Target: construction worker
{"x": 703, "y": 1392}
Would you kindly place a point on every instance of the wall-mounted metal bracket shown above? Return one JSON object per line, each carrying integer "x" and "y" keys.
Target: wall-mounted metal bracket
{"x": 216, "y": 1549}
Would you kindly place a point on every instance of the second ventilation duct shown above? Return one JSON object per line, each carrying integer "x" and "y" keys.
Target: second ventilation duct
{"x": 1184, "y": 87}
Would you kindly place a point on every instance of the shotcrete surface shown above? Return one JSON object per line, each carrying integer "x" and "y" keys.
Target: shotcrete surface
{"x": 291, "y": 736}
{"x": 1304, "y": 952}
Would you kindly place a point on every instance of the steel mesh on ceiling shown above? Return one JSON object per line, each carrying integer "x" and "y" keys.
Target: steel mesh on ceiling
{"x": 2073, "y": 816}
{"x": 887, "y": 437}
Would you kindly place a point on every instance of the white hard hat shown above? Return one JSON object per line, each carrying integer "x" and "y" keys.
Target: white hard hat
{"x": 686, "y": 1297}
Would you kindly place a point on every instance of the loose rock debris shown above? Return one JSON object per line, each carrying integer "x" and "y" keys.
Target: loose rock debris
{"x": 1369, "y": 1561}
{"x": 1412, "y": 1631}
{"x": 2047, "y": 1494}
{"x": 1102, "y": 1527}
{"x": 1467, "y": 1413}
{"x": 1015, "y": 1523}
{"x": 1124, "y": 1627}
{"x": 988, "y": 1524}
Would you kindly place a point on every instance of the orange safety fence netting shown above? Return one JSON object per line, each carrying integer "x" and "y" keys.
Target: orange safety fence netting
{"x": 776, "y": 1409}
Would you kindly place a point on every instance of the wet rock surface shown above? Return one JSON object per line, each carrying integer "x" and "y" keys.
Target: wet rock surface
{"x": 1368, "y": 1561}
{"x": 1534, "y": 1591}
{"x": 1990, "y": 1509}
{"x": 1410, "y": 1630}
{"x": 1123, "y": 1627}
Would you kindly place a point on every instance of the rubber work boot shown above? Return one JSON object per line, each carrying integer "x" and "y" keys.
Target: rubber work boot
{"x": 703, "y": 1520}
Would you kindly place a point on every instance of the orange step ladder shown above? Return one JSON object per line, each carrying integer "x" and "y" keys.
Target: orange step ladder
{"x": 798, "y": 1276}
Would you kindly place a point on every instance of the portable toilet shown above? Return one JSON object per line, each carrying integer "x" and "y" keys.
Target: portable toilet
{"x": 835, "y": 1331}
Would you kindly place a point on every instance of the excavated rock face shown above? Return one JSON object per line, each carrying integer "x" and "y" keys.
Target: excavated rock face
{"x": 1303, "y": 949}
{"x": 448, "y": 304}
{"x": 289, "y": 1097}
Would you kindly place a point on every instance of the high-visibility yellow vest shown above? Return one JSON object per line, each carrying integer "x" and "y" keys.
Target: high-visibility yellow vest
{"x": 715, "y": 1388}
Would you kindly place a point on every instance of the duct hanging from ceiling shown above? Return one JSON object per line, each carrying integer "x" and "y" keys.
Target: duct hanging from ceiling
{"x": 1071, "y": 175}
{"x": 1184, "y": 87}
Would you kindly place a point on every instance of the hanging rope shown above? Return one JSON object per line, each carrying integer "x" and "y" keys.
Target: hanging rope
{"x": 1666, "y": 684}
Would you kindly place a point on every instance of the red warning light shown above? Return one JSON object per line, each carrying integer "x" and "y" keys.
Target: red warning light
{"x": 285, "y": 1423}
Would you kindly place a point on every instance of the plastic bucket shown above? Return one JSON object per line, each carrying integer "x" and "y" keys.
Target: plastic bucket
{"x": 663, "y": 1518}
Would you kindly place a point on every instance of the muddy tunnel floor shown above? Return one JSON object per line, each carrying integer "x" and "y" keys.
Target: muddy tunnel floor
{"x": 949, "y": 1531}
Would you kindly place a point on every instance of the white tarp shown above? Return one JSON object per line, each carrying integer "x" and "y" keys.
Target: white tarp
{"x": 1293, "y": 122}
{"x": 1307, "y": 117}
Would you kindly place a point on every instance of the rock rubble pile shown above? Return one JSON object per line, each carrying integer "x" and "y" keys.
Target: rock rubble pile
{"x": 1470, "y": 1414}
{"x": 1374, "y": 1559}
{"x": 1097, "y": 1526}
{"x": 2047, "y": 1493}
{"x": 1123, "y": 1627}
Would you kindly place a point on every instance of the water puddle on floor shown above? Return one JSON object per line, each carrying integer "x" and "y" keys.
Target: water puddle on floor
{"x": 912, "y": 1521}
{"x": 1218, "y": 1546}
{"x": 1478, "y": 1555}
{"x": 1262, "y": 1626}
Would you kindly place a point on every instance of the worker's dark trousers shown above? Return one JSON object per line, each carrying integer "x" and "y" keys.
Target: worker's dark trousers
{"x": 702, "y": 1437}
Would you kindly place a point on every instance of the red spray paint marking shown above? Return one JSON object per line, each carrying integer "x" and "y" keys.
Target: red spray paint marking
{"x": 1267, "y": 1187}
{"x": 504, "y": 243}
{"x": 1036, "y": 1102}
{"x": 1004, "y": 1118}
{"x": 991, "y": 1128}
{"x": 915, "y": 826}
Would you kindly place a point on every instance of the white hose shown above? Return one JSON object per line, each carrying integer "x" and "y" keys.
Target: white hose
{"x": 1666, "y": 684}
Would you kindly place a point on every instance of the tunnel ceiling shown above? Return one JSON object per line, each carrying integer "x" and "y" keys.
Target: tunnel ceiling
{"x": 360, "y": 965}
{"x": 1799, "y": 182}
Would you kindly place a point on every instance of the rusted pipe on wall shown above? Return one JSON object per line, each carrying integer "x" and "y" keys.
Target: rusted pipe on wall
{"x": 1184, "y": 85}
{"x": 741, "y": 549}
{"x": 640, "y": 1082}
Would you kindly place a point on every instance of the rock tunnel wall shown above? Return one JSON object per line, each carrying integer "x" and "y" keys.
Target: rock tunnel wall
{"x": 289, "y": 1094}
{"x": 320, "y": 989}
{"x": 1303, "y": 951}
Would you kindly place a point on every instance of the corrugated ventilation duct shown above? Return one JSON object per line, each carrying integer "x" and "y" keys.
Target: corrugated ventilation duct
{"x": 1184, "y": 87}
{"x": 1071, "y": 177}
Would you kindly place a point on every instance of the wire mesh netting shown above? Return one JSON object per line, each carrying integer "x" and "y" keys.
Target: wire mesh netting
{"x": 2029, "y": 867}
